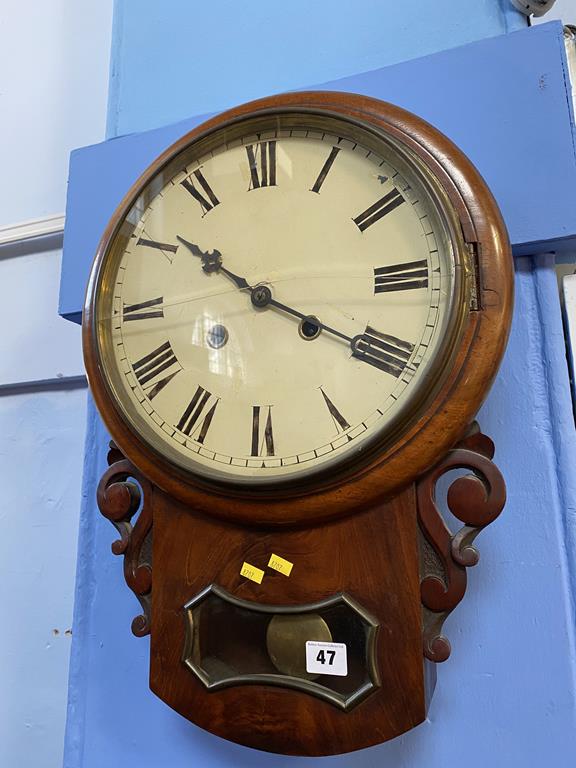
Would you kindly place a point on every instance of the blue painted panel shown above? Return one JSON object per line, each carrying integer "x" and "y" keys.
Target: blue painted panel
{"x": 505, "y": 698}
{"x": 171, "y": 61}
{"x": 503, "y": 100}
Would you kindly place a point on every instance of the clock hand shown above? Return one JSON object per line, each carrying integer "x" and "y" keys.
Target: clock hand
{"x": 260, "y": 295}
{"x": 240, "y": 281}
{"x": 192, "y": 247}
{"x": 212, "y": 262}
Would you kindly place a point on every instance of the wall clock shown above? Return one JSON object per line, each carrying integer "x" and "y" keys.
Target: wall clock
{"x": 291, "y": 322}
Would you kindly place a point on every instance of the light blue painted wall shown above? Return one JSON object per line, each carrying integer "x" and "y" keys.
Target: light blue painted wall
{"x": 175, "y": 58}
{"x": 52, "y": 54}
{"x": 506, "y": 697}
{"x": 41, "y": 445}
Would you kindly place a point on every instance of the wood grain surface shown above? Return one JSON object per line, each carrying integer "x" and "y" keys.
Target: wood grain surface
{"x": 371, "y": 556}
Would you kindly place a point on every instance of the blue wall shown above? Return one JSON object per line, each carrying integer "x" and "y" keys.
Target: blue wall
{"x": 536, "y": 96}
{"x": 51, "y": 54}
{"x": 174, "y": 59}
{"x": 506, "y": 697}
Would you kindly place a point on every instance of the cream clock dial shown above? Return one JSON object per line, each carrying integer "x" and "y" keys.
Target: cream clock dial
{"x": 279, "y": 301}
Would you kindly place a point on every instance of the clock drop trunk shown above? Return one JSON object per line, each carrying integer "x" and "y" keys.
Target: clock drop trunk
{"x": 228, "y": 653}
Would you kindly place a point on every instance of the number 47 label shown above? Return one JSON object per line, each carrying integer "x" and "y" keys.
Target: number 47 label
{"x": 326, "y": 658}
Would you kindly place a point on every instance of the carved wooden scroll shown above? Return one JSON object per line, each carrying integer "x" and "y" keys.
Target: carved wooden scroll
{"x": 124, "y": 493}
{"x": 476, "y": 500}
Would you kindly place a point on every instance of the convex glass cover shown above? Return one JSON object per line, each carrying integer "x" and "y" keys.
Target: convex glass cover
{"x": 282, "y": 297}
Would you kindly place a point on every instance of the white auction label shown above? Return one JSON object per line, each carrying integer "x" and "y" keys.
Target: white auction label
{"x": 326, "y": 658}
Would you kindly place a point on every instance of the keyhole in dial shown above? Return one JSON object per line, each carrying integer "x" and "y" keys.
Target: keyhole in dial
{"x": 309, "y": 328}
{"x": 217, "y": 336}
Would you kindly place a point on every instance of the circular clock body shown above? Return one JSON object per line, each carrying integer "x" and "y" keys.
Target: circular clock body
{"x": 291, "y": 313}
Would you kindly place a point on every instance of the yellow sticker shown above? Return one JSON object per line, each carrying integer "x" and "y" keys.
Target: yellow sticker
{"x": 252, "y": 573}
{"x": 280, "y": 565}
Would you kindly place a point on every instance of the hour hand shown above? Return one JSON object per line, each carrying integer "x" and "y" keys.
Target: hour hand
{"x": 211, "y": 260}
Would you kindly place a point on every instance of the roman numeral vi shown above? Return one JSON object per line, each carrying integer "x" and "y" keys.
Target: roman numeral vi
{"x": 265, "y": 440}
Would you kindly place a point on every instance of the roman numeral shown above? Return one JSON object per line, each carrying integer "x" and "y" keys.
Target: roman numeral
{"x": 325, "y": 169}
{"x": 208, "y": 200}
{"x": 266, "y": 440}
{"x": 383, "y": 351}
{"x": 189, "y": 422}
{"x": 150, "y": 367}
{"x": 339, "y": 421}
{"x": 380, "y": 208}
{"x": 262, "y": 162}
{"x": 165, "y": 248}
{"x": 401, "y": 277}
{"x": 143, "y": 310}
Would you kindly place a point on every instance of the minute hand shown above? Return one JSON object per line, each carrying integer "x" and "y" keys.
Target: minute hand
{"x": 273, "y": 303}
{"x": 260, "y": 295}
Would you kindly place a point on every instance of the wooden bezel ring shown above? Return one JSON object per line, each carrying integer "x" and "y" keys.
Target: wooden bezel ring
{"x": 454, "y": 405}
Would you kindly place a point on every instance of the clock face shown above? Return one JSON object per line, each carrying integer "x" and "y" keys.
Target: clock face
{"x": 280, "y": 299}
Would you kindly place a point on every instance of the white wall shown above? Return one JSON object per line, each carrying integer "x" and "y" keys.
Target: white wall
{"x": 563, "y": 10}
{"x": 54, "y": 60}
{"x": 39, "y": 344}
{"x": 53, "y": 92}
{"x": 41, "y": 445}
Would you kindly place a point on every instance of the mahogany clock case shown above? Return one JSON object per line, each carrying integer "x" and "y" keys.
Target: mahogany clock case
{"x": 468, "y": 365}
{"x": 368, "y": 540}
{"x": 393, "y": 573}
